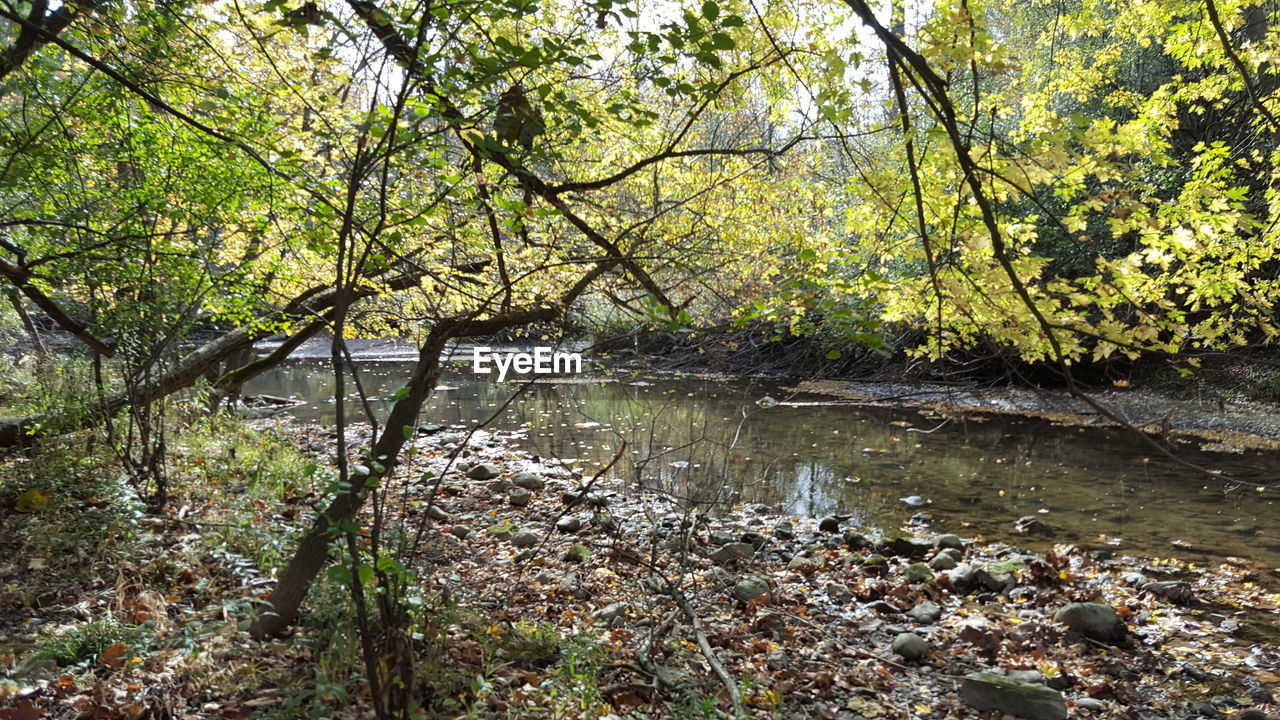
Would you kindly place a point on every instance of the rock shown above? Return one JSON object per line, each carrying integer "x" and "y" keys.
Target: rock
{"x": 754, "y": 539}
{"x": 876, "y": 564}
{"x": 604, "y": 521}
{"x": 1172, "y": 590}
{"x": 484, "y": 471}
{"x": 577, "y": 553}
{"x": 961, "y": 578}
{"x": 942, "y": 561}
{"x": 909, "y": 547}
{"x": 731, "y": 552}
{"x": 1091, "y": 704}
{"x": 525, "y": 538}
{"x": 1093, "y": 620}
{"x": 435, "y": 512}
{"x": 1030, "y": 525}
{"x": 955, "y": 554}
{"x": 926, "y": 613}
{"x": 993, "y": 578}
{"x": 497, "y": 487}
{"x": 856, "y": 540}
{"x": 524, "y": 555}
{"x": 882, "y": 607}
{"x": 839, "y": 592}
{"x": 569, "y": 524}
{"x": 918, "y": 573}
{"x": 1025, "y": 676}
{"x": 518, "y": 497}
{"x": 948, "y": 542}
{"x": 610, "y": 612}
{"x": 721, "y": 537}
{"x": 986, "y": 692}
{"x": 719, "y": 577}
{"x": 777, "y": 660}
{"x": 914, "y": 501}
{"x": 910, "y": 647}
{"x": 1250, "y": 714}
{"x": 598, "y": 499}
{"x": 750, "y": 588}
{"x": 829, "y": 524}
{"x": 528, "y": 481}
{"x": 460, "y": 531}
{"x": 785, "y": 531}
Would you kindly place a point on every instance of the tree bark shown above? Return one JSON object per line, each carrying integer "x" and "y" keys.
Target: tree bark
{"x": 313, "y": 550}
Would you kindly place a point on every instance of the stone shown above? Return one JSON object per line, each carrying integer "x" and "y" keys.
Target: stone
{"x": 719, "y": 577}
{"x": 610, "y": 612}
{"x": 955, "y": 554}
{"x": 721, "y": 537}
{"x": 1250, "y": 714}
{"x": 598, "y": 499}
{"x": 484, "y": 471}
{"x": 525, "y": 554}
{"x": 910, "y": 647}
{"x": 986, "y": 692}
{"x": 909, "y": 547}
{"x": 435, "y": 512}
{"x": 731, "y": 552}
{"x": 926, "y": 613}
{"x": 878, "y": 562}
{"x": 948, "y": 542}
{"x": 882, "y": 607}
{"x": 604, "y": 521}
{"x": 519, "y": 497}
{"x": 1030, "y": 525}
{"x": 528, "y": 481}
{"x": 1172, "y": 590}
{"x": 577, "y": 553}
{"x": 1093, "y": 620}
{"x": 785, "y": 531}
{"x": 525, "y": 538}
{"x": 568, "y": 524}
{"x": 750, "y": 588}
{"x": 942, "y": 561}
{"x": 856, "y": 540}
{"x": 918, "y": 573}
{"x": 829, "y": 524}
{"x": 1090, "y": 704}
{"x": 460, "y": 531}
{"x": 756, "y": 540}
{"x": 839, "y": 592}
{"x": 961, "y": 578}
{"x": 497, "y": 487}
{"x": 1026, "y": 676}
{"x": 993, "y": 578}
{"x": 777, "y": 660}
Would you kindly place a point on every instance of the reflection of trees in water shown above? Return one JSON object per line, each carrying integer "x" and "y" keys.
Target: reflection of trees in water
{"x": 690, "y": 438}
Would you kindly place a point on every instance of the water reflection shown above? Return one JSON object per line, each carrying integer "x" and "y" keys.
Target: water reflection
{"x": 712, "y": 440}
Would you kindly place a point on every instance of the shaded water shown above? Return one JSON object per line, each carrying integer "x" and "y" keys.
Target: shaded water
{"x": 714, "y": 439}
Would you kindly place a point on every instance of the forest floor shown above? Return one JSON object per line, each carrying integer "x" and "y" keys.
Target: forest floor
{"x": 544, "y": 593}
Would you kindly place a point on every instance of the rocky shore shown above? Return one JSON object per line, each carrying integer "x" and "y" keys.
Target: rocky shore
{"x": 818, "y": 617}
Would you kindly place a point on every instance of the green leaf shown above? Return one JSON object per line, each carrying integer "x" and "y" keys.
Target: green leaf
{"x": 721, "y": 41}
{"x": 834, "y": 355}
{"x": 339, "y": 573}
{"x": 366, "y": 574}
{"x": 710, "y": 10}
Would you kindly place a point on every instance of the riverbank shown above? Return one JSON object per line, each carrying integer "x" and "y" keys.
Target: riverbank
{"x": 547, "y": 593}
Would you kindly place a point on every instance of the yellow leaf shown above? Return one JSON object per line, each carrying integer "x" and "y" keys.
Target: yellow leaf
{"x": 32, "y": 501}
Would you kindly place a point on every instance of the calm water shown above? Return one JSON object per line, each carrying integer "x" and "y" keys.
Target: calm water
{"x": 715, "y": 440}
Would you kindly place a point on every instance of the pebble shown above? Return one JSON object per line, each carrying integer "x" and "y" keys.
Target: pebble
{"x": 435, "y": 512}
{"x": 484, "y": 471}
{"x": 750, "y": 588}
{"x": 948, "y": 542}
{"x": 942, "y": 561}
{"x": 528, "y": 481}
{"x": 569, "y": 524}
{"x": 911, "y": 647}
{"x": 524, "y": 539}
{"x": 839, "y": 592}
{"x": 926, "y": 613}
{"x": 518, "y": 497}
{"x": 777, "y": 660}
